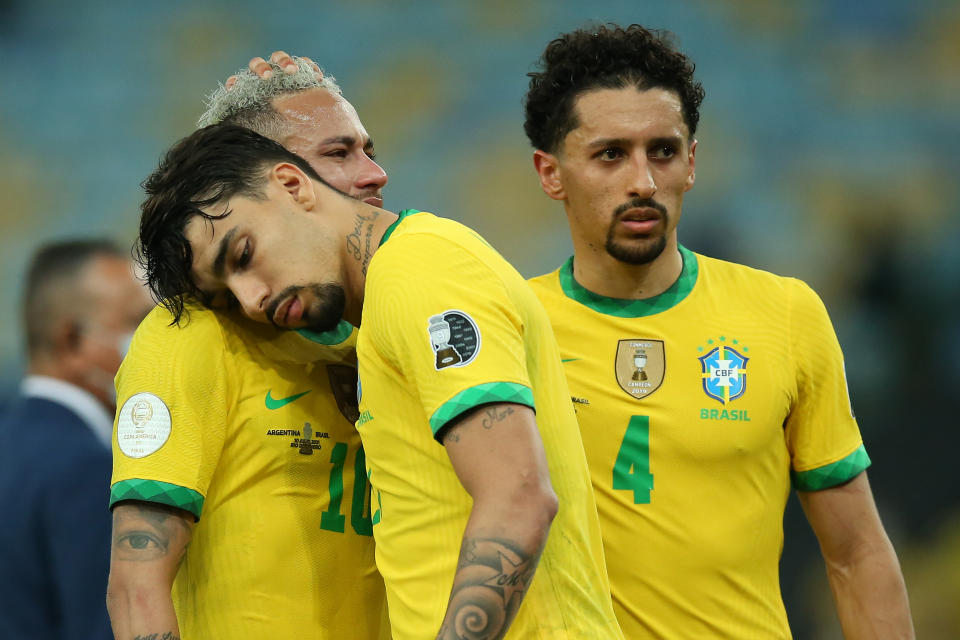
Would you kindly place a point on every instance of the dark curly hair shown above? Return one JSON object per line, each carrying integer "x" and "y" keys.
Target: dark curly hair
{"x": 209, "y": 166}
{"x": 605, "y": 57}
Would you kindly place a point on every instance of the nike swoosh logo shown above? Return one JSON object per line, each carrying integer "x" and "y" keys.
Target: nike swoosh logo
{"x": 569, "y": 359}
{"x": 276, "y": 403}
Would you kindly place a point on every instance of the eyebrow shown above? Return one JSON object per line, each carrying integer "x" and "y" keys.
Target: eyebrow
{"x": 344, "y": 140}
{"x": 626, "y": 142}
{"x": 610, "y": 142}
{"x": 221, "y": 259}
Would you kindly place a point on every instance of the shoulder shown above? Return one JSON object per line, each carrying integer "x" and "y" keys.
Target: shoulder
{"x": 197, "y": 326}
{"x": 740, "y": 278}
{"x": 428, "y": 249}
{"x": 49, "y": 435}
{"x": 547, "y": 283}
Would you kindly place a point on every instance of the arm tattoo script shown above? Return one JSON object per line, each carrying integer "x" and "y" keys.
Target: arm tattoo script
{"x": 363, "y": 225}
{"x": 492, "y": 578}
{"x": 492, "y": 416}
{"x": 146, "y": 532}
{"x": 169, "y": 635}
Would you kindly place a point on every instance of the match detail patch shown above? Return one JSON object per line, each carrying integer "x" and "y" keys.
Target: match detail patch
{"x": 143, "y": 425}
{"x": 454, "y": 337}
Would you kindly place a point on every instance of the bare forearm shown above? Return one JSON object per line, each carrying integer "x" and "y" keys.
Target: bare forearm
{"x": 149, "y": 542}
{"x": 493, "y": 574}
{"x": 498, "y": 456}
{"x": 141, "y": 614}
{"x": 870, "y": 595}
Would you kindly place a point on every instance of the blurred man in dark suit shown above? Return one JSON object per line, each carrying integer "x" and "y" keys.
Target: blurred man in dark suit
{"x": 81, "y": 304}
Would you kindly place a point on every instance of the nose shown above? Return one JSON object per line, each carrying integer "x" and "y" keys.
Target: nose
{"x": 371, "y": 175}
{"x": 253, "y": 296}
{"x": 643, "y": 185}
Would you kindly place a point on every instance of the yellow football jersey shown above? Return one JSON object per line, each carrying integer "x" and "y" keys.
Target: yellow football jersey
{"x": 697, "y": 407}
{"x": 251, "y": 430}
{"x": 449, "y": 325}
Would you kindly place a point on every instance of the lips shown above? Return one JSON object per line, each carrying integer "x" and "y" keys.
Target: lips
{"x": 289, "y": 312}
{"x": 374, "y": 201}
{"x": 641, "y": 220}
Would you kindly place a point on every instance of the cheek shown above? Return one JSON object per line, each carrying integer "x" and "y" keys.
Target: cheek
{"x": 333, "y": 172}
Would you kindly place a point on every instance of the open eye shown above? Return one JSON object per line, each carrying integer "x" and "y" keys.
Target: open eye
{"x": 610, "y": 153}
{"x": 663, "y": 152}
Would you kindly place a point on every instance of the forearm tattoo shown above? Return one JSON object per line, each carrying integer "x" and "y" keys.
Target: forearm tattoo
{"x": 492, "y": 578}
{"x": 362, "y": 248}
{"x": 169, "y": 635}
{"x": 147, "y": 532}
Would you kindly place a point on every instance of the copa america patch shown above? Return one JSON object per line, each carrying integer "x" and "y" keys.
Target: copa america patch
{"x": 454, "y": 337}
{"x": 143, "y": 425}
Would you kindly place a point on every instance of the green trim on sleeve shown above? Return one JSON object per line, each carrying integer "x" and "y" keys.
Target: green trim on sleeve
{"x": 832, "y": 474}
{"x": 621, "y": 308}
{"x": 335, "y": 336}
{"x": 478, "y": 395}
{"x": 172, "y": 495}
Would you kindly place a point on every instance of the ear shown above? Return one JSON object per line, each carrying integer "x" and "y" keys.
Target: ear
{"x": 692, "y": 165}
{"x": 548, "y": 168}
{"x": 296, "y": 183}
{"x": 65, "y": 345}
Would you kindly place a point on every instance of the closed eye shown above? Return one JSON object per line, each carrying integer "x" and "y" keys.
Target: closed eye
{"x": 246, "y": 253}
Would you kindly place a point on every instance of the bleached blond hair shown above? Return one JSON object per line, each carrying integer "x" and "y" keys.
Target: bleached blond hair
{"x": 249, "y": 102}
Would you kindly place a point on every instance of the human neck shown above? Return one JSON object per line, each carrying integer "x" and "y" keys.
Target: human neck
{"x": 599, "y": 272}
{"x": 366, "y": 228}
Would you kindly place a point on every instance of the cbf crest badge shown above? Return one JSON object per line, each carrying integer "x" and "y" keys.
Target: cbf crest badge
{"x": 724, "y": 373}
{"x": 640, "y": 365}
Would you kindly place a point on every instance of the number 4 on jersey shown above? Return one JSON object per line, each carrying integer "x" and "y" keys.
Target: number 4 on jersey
{"x": 631, "y": 471}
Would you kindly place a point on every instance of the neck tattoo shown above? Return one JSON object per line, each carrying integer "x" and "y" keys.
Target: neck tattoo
{"x": 360, "y": 240}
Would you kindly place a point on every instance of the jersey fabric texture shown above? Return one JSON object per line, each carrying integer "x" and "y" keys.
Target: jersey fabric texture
{"x": 449, "y": 325}
{"x": 698, "y": 408}
{"x": 259, "y": 445}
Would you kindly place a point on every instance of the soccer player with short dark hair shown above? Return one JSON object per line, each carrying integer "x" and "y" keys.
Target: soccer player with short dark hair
{"x": 705, "y": 390}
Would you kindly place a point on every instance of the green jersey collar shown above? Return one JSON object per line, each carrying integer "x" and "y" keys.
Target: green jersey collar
{"x": 335, "y": 336}
{"x": 633, "y": 308}
{"x": 389, "y": 232}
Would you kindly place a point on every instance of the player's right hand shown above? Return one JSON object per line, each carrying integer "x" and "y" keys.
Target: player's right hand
{"x": 280, "y": 59}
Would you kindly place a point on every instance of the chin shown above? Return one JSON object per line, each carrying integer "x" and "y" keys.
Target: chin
{"x": 637, "y": 253}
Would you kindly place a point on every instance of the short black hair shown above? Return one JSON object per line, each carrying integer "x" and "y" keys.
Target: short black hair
{"x": 211, "y": 165}
{"x": 53, "y": 270}
{"x": 604, "y": 57}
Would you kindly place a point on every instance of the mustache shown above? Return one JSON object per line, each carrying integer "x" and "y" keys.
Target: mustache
{"x": 271, "y": 309}
{"x": 640, "y": 203}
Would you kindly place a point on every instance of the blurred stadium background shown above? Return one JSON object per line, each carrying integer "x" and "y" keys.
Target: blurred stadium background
{"x": 828, "y": 139}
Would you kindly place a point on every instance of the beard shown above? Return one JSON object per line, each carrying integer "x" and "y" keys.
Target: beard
{"x": 325, "y": 310}
{"x": 636, "y": 251}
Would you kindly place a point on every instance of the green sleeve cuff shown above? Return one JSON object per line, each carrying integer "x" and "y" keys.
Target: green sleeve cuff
{"x": 832, "y": 474}
{"x": 475, "y": 396}
{"x": 160, "y": 492}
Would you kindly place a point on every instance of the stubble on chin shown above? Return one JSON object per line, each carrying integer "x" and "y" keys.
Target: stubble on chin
{"x": 636, "y": 252}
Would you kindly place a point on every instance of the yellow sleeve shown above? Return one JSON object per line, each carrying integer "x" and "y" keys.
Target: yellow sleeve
{"x": 172, "y": 398}
{"x": 822, "y": 434}
{"x": 444, "y": 320}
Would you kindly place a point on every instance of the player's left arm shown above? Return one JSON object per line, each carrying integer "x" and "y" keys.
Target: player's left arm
{"x": 862, "y": 567}
{"x": 498, "y": 456}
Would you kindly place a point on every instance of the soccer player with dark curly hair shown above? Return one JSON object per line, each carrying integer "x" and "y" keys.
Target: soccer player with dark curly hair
{"x": 705, "y": 390}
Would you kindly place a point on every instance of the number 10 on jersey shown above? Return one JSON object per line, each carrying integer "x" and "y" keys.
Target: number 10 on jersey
{"x": 631, "y": 470}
